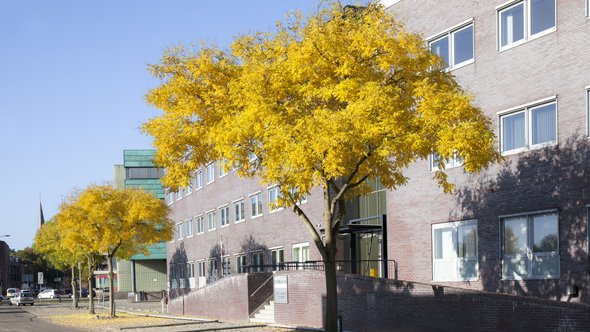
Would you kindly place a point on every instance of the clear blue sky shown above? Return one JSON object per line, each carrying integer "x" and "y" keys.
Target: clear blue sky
{"x": 73, "y": 81}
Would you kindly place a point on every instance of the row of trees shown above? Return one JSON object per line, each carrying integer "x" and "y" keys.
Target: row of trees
{"x": 324, "y": 101}
{"x": 102, "y": 222}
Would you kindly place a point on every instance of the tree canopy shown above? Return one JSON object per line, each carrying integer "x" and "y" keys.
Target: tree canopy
{"x": 324, "y": 101}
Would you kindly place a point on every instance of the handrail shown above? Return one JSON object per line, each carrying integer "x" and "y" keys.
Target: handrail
{"x": 263, "y": 284}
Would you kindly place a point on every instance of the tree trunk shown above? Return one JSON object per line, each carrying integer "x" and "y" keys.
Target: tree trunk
{"x": 331, "y": 323}
{"x": 111, "y": 284}
{"x": 90, "y": 288}
{"x": 74, "y": 284}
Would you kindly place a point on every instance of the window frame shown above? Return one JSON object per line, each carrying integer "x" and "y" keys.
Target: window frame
{"x": 189, "y": 227}
{"x": 240, "y": 262}
{"x": 279, "y": 264}
{"x": 199, "y": 179}
{"x": 587, "y": 91}
{"x": 450, "y": 163}
{"x": 221, "y": 214}
{"x": 259, "y": 202}
{"x": 450, "y": 34}
{"x": 527, "y": 23}
{"x": 242, "y": 210}
{"x": 530, "y": 254}
{"x": 528, "y": 109}
{"x": 221, "y": 169}
{"x": 179, "y": 227}
{"x": 225, "y": 271}
{"x": 171, "y": 198}
{"x": 300, "y": 246}
{"x": 209, "y": 173}
{"x": 456, "y": 259}
{"x": 211, "y": 213}
{"x": 277, "y": 191}
{"x": 199, "y": 220}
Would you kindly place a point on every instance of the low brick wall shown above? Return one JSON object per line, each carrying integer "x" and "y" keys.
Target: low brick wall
{"x": 368, "y": 304}
{"x": 226, "y": 299}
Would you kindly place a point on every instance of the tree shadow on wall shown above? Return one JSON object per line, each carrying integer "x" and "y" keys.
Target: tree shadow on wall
{"x": 250, "y": 246}
{"x": 550, "y": 179}
{"x": 178, "y": 276}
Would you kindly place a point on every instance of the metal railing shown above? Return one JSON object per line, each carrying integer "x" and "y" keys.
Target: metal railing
{"x": 372, "y": 268}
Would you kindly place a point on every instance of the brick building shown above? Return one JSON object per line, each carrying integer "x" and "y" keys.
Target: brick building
{"x": 519, "y": 228}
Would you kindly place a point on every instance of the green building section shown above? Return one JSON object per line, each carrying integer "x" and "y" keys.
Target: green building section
{"x": 142, "y": 272}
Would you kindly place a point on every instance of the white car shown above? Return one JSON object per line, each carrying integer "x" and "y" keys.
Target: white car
{"x": 24, "y": 297}
{"x": 49, "y": 294}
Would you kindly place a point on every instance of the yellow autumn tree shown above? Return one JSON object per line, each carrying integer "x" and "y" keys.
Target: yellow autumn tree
{"x": 116, "y": 223}
{"x": 49, "y": 242}
{"x": 327, "y": 101}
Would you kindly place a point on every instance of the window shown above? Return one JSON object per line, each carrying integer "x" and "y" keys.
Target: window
{"x": 239, "y": 211}
{"x": 201, "y": 268}
{"x": 529, "y": 127}
{"x": 252, "y": 156}
{"x": 222, "y": 168}
{"x": 210, "y": 173}
{"x": 456, "y": 161}
{"x": 179, "y": 194}
{"x": 530, "y": 246}
{"x": 277, "y": 257}
{"x": 170, "y": 197}
{"x": 143, "y": 172}
{"x": 256, "y": 205}
{"x": 588, "y": 107}
{"x": 188, "y": 190}
{"x": 274, "y": 194}
{"x": 190, "y": 268}
{"x": 240, "y": 263}
{"x": 199, "y": 180}
{"x": 179, "y": 231}
{"x": 189, "y": 227}
{"x": 213, "y": 269}
{"x": 455, "y": 47}
{"x": 226, "y": 264}
{"x": 199, "y": 224}
{"x": 454, "y": 246}
{"x": 525, "y": 20}
{"x": 224, "y": 213}
{"x": 301, "y": 253}
{"x": 211, "y": 220}
{"x": 257, "y": 261}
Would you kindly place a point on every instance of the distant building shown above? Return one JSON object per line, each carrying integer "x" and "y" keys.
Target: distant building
{"x": 4, "y": 266}
{"x": 145, "y": 273}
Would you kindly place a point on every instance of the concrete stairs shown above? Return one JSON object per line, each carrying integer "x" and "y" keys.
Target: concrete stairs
{"x": 265, "y": 314}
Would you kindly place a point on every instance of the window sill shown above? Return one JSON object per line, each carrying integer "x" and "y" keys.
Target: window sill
{"x": 256, "y": 216}
{"x": 455, "y": 280}
{"x": 525, "y": 40}
{"x": 276, "y": 210}
{"x": 461, "y": 65}
{"x": 530, "y": 278}
{"x": 239, "y": 221}
{"x": 529, "y": 148}
{"x": 200, "y": 233}
{"x": 189, "y": 236}
{"x": 224, "y": 226}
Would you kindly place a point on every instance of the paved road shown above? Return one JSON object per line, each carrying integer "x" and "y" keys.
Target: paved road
{"x": 19, "y": 319}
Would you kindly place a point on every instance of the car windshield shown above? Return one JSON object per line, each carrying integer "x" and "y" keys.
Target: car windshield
{"x": 26, "y": 294}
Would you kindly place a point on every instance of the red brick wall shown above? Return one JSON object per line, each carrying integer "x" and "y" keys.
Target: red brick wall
{"x": 369, "y": 304}
{"x": 227, "y": 300}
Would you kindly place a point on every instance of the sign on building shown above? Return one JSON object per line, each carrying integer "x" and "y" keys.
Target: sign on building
{"x": 280, "y": 288}
{"x": 40, "y": 278}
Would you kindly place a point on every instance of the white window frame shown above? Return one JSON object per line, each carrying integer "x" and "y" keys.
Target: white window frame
{"x": 209, "y": 219}
{"x": 222, "y": 171}
{"x": 224, "y": 211}
{"x": 528, "y": 109}
{"x": 179, "y": 194}
{"x": 240, "y": 262}
{"x": 170, "y": 196}
{"x": 201, "y": 268}
{"x": 588, "y": 108}
{"x": 242, "y": 210}
{"x": 199, "y": 179}
{"x": 456, "y": 260}
{"x": 190, "y": 269}
{"x": 188, "y": 190}
{"x": 225, "y": 271}
{"x": 449, "y": 163}
{"x": 278, "y": 265}
{"x": 200, "y": 224}
{"x": 256, "y": 213}
{"x": 300, "y": 257}
{"x": 271, "y": 203}
{"x": 529, "y": 241}
{"x": 210, "y": 173}
{"x": 450, "y": 34}
{"x": 179, "y": 227}
{"x": 257, "y": 266}
{"x": 527, "y": 36}
{"x": 189, "y": 227}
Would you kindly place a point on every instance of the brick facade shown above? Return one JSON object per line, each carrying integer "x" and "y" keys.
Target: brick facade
{"x": 551, "y": 178}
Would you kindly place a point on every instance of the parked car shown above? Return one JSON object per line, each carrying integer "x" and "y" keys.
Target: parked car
{"x": 10, "y": 292}
{"x": 23, "y": 297}
{"x": 49, "y": 294}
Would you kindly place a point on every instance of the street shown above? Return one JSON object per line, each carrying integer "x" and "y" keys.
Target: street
{"x": 16, "y": 319}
